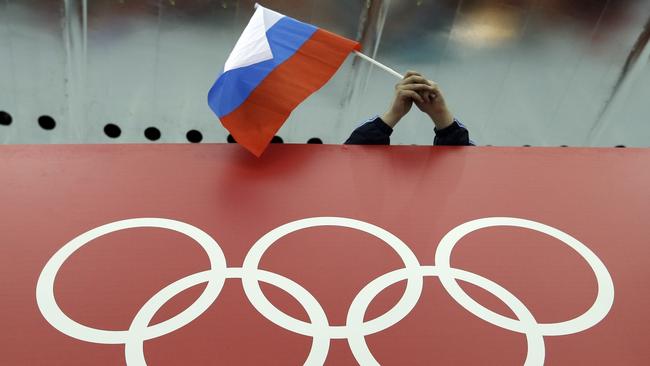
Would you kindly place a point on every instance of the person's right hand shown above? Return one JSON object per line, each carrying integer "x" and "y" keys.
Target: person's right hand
{"x": 409, "y": 89}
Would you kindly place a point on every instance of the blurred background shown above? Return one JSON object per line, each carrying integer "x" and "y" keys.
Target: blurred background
{"x": 516, "y": 72}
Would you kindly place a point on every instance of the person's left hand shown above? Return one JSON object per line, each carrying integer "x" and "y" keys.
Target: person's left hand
{"x": 435, "y": 107}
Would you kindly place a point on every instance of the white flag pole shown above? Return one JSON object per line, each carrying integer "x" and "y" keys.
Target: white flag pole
{"x": 379, "y": 65}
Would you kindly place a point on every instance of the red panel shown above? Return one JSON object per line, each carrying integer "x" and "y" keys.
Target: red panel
{"x": 52, "y": 194}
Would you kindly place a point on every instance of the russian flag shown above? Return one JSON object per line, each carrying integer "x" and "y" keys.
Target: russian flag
{"x": 276, "y": 64}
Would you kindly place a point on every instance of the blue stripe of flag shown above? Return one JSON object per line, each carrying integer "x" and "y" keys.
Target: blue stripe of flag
{"x": 233, "y": 87}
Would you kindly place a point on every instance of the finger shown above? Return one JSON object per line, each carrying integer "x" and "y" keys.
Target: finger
{"x": 433, "y": 94}
{"x": 428, "y": 97}
{"x": 410, "y": 94}
{"x": 435, "y": 86}
{"x": 417, "y": 87}
{"x": 436, "y": 92}
{"x": 415, "y": 79}
{"x": 411, "y": 73}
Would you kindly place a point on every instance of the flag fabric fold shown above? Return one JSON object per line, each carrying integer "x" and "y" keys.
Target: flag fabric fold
{"x": 277, "y": 63}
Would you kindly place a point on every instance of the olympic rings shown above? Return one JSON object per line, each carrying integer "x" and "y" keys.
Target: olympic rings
{"x": 318, "y": 327}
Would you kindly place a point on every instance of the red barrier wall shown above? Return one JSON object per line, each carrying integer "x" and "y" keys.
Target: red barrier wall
{"x": 534, "y": 235}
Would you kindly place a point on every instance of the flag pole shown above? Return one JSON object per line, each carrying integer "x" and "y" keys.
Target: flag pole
{"x": 379, "y": 65}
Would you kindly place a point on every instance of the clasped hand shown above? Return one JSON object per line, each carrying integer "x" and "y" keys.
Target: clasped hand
{"x": 425, "y": 94}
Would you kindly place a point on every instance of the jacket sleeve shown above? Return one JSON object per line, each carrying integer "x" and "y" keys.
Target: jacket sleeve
{"x": 373, "y": 132}
{"x": 376, "y": 132}
{"x": 454, "y": 135}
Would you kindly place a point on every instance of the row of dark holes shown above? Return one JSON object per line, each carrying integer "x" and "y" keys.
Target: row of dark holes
{"x": 46, "y": 122}
{"x": 152, "y": 133}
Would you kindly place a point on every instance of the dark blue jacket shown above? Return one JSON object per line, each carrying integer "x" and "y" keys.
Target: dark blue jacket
{"x": 376, "y": 132}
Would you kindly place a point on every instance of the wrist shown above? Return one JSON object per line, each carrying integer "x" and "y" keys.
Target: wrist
{"x": 442, "y": 120}
{"x": 390, "y": 119}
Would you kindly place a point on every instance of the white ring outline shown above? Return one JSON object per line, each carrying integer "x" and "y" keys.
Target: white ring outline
{"x": 591, "y": 317}
{"x": 48, "y": 306}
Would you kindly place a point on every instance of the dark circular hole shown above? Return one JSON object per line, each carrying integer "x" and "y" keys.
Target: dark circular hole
{"x": 231, "y": 140}
{"x": 152, "y": 133}
{"x": 194, "y": 136}
{"x": 619, "y": 146}
{"x": 112, "y": 130}
{"x": 5, "y": 118}
{"x": 46, "y": 122}
{"x": 277, "y": 140}
{"x": 314, "y": 140}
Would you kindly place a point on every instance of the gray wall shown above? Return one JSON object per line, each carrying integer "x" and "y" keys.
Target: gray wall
{"x": 538, "y": 72}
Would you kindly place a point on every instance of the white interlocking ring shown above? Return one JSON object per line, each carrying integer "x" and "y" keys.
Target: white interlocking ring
{"x": 58, "y": 319}
{"x": 591, "y": 317}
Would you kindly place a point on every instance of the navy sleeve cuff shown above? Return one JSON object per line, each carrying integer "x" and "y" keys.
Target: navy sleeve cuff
{"x": 382, "y": 126}
{"x": 455, "y": 134}
{"x": 453, "y": 127}
{"x": 373, "y": 132}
